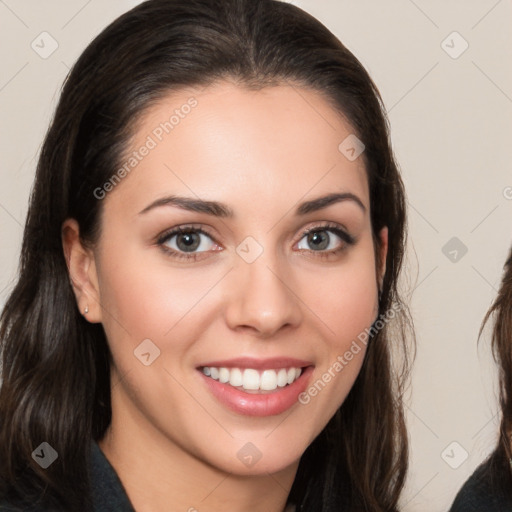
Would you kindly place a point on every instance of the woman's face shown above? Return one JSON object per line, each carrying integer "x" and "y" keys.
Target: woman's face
{"x": 243, "y": 293}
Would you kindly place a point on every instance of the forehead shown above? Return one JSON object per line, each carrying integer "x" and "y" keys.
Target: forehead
{"x": 226, "y": 142}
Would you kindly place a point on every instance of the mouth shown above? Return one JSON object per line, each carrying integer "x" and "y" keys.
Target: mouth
{"x": 255, "y": 387}
{"x": 252, "y": 380}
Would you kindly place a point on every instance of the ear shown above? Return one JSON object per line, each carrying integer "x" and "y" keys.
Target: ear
{"x": 82, "y": 271}
{"x": 383, "y": 252}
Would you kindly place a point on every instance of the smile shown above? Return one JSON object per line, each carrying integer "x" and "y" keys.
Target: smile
{"x": 256, "y": 387}
{"x": 252, "y": 380}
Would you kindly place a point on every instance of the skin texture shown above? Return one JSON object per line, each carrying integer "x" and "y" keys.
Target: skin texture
{"x": 172, "y": 443}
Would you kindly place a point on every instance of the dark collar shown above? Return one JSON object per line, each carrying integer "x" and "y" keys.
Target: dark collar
{"x": 108, "y": 492}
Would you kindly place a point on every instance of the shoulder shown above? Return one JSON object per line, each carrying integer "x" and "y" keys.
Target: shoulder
{"x": 16, "y": 506}
{"x": 13, "y": 504}
{"x": 107, "y": 491}
{"x": 481, "y": 494}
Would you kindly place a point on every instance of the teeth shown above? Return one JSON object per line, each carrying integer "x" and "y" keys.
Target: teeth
{"x": 235, "y": 378}
{"x": 253, "y": 380}
{"x": 269, "y": 380}
{"x": 223, "y": 374}
{"x": 282, "y": 377}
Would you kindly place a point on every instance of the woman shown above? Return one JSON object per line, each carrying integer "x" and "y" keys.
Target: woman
{"x": 209, "y": 275}
{"x": 490, "y": 486}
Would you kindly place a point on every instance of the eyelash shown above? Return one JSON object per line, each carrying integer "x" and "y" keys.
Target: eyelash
{"x": 347, "y": 240}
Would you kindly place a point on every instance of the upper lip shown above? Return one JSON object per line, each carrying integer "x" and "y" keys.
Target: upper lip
{"x": 259, "y": 364}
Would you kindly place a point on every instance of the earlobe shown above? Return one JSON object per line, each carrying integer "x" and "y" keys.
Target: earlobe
{"x": 82, "y": 271}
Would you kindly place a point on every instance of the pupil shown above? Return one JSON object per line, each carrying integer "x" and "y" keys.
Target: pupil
{"x": 320, "y": 241}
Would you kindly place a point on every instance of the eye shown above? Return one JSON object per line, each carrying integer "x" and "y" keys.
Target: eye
{"x": 187, "y": 242}
{"x": 326, "y": 238}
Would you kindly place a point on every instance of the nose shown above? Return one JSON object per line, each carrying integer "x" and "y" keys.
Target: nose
{"x": 262, "y": 298}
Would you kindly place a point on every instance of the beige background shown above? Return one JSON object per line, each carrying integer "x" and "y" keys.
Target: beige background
{"x": 451, "y": 121}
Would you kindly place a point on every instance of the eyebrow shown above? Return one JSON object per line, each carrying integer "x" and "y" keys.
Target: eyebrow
{"x": 221, "y": 210}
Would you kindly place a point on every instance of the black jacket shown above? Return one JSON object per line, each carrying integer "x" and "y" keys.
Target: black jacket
{"x": 107, "y": 490}
{"x": 481, "y": 494}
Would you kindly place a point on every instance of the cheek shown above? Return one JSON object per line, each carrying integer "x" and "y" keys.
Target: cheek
{"x": 345, "y": 300}
{"x": 141, "y": 300}
{"x": 346, "y": 305}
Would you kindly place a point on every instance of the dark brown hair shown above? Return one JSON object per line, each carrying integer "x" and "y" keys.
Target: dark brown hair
{"x": 498, "y": 471}
{"x": 56, "y": 365}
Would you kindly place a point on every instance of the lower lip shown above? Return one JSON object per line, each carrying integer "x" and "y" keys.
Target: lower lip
{"x": 254, "y": 404}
